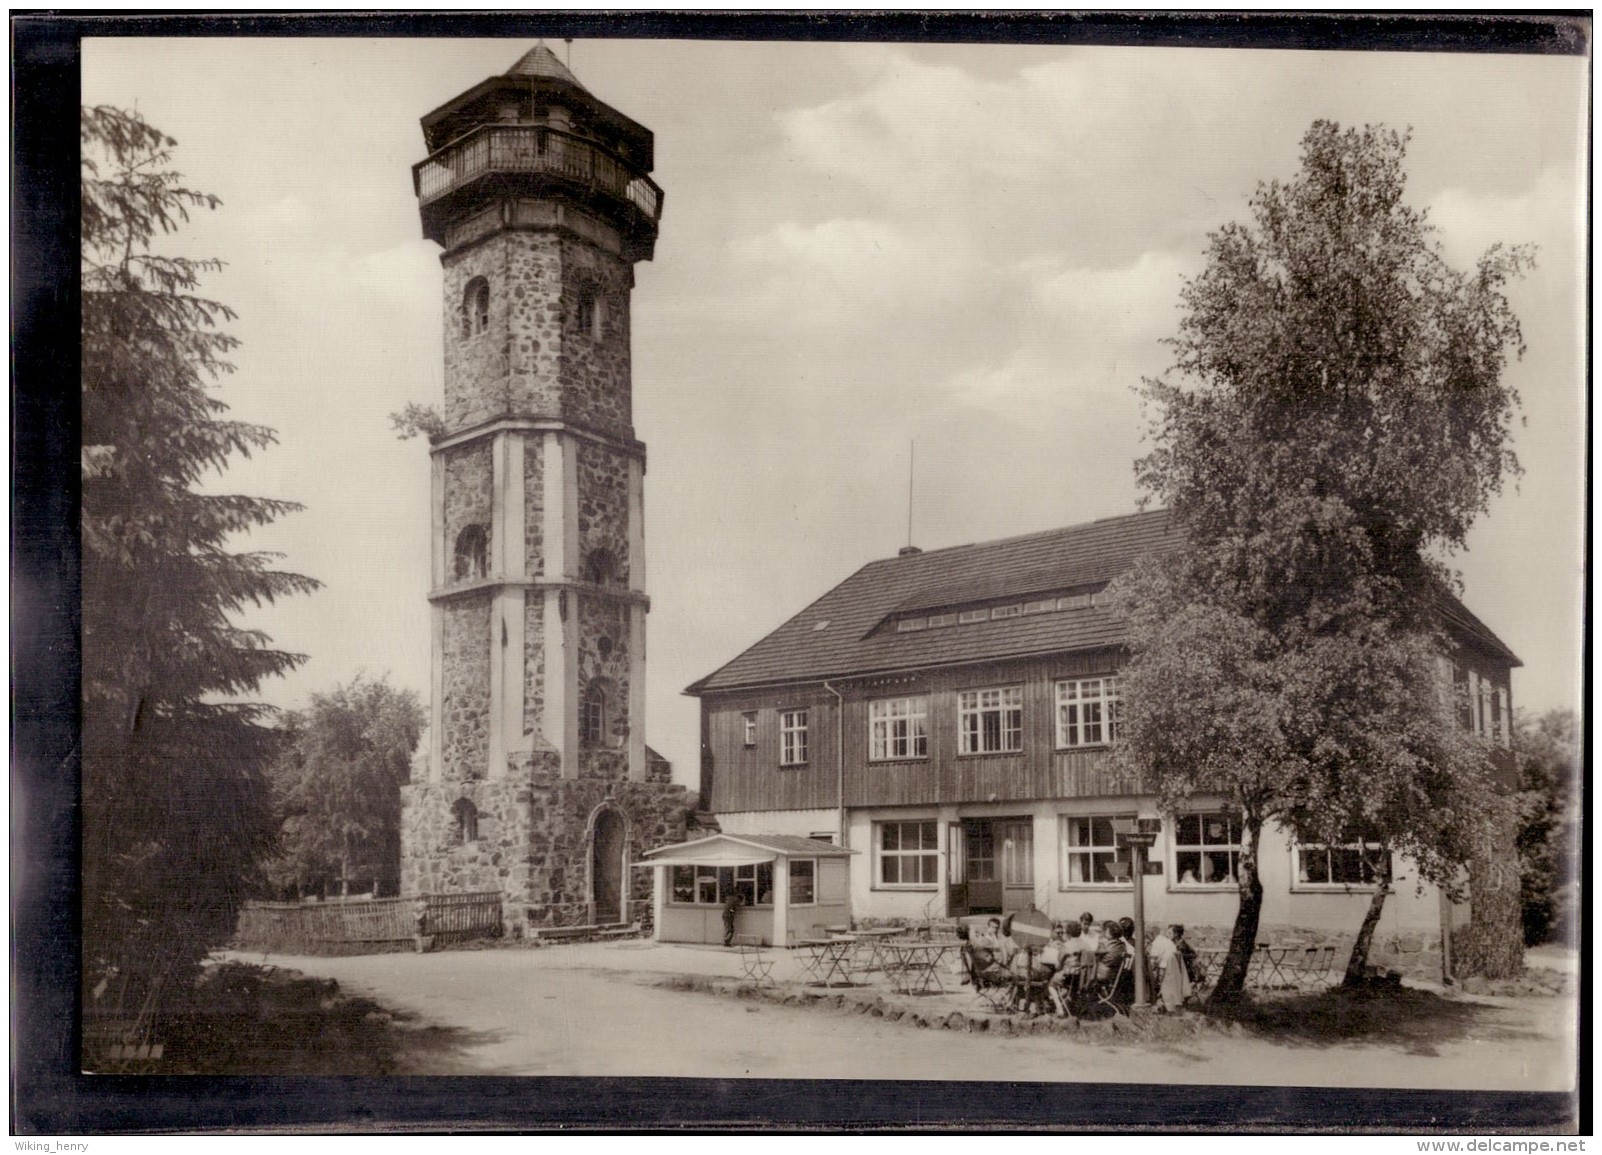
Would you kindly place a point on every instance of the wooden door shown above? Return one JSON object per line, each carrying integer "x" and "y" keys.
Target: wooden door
{"x": 606, "y": 868}
{"x": 984, "y": 883}
{"x": 1017, "y": 862}
{"x": 956, "y": 871}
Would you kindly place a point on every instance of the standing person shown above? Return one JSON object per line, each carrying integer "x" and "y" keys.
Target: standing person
{"x": 1173, "y": 977}
{"x": 729, "y": 910}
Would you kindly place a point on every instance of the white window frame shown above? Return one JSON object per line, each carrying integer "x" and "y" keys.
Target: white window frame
{"x": 1176, "y": 848}
{"x": 1091, "y": 850}
{"x": 1504, "y": 707}
{"x": 997, "y": 613}
{"x": 1077, "y": 698}
{"x": 970, "y": 617}
{"x": 1074, "y": 602}
{"x": 793, "y": 737}
{"x": 909, "y": 716}
{"x": 1299, "y": 883}
{"x": 748, "y": 728}
{"x": 880, "y": 854}
{"x": 975, "y": 704}
{"x": 938, "y": 620}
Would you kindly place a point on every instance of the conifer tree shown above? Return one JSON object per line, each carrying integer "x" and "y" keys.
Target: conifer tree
{"x": 175, "y": 805}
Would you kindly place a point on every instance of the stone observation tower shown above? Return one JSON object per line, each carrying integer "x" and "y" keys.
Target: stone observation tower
{"x": 539, "y": 782}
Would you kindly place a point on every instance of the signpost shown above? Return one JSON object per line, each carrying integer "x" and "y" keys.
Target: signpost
{"x": 1130, "y": 833}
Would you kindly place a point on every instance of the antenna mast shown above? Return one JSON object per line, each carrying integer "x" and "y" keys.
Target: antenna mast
{"x": 912, "y": 459}
{"x": 568, "y": 40}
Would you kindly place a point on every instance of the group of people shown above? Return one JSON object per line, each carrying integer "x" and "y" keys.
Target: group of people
{"x": 1084, "y": 963}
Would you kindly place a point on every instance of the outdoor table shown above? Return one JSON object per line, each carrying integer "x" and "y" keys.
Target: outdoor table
{"x": 913, "y": 966}
{"x": 1267, "y": 966}
{"x": 872, "y": 940}
{"x": 822, "y": 959}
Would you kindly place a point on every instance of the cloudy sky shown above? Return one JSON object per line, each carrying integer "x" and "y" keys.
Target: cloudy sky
{"x": 977, "y": 249}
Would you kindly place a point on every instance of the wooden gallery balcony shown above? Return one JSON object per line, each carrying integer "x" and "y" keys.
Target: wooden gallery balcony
{"x": 498, "y": 159}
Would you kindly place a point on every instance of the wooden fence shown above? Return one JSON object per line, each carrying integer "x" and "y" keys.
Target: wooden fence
{"x": 367, "y": 926}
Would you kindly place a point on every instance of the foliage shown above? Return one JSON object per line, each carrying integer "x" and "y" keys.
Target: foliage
{"x": 175, "y": 805}
{"x": 1335, "y": 418}
{"x": 417, "y": 419}
{"x": 337, "y": 785}
{"x": 1549, "y": 835}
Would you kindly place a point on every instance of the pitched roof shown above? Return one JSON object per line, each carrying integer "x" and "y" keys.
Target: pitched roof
{"x": 837, "y": 636}
{"x": 788, "y": 844}
{"x": 540, "y": 61}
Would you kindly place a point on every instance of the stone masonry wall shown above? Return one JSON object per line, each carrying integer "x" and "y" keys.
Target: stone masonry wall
{"x": 475, "y": 365}
{"x": 603, "y": 505}
{"x": 656, "y": 815}
{"x": 534, "y": 505}
{"x": 464, "y": 736}
{"x": 595, "y": 369}
{"x": 468, "y": 479}
{"x": 534, "y": 669}
{"x": 603, "y": 625}
{"x": 533, "y": 274}
{"x": 438, "y": 861}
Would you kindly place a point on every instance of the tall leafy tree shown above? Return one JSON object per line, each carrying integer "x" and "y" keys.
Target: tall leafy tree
{"x": 337, "y": 786}
{"x": 1335, "y": 419}
{"x": 176, "y": 812}
{"x": 1549, "y": 836}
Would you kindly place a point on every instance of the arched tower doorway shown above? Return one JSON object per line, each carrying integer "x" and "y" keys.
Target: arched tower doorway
{"x": 608, "y": 847}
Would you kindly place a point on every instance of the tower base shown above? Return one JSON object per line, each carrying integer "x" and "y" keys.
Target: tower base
{"x": 561, "y": 851}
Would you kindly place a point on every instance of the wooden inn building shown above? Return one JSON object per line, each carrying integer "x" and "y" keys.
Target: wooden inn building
{"x": 947, "y": 716}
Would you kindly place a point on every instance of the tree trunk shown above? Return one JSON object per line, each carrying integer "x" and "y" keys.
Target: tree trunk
{"x": 1356, "y": 965}
{"x": 1231, "y": 979}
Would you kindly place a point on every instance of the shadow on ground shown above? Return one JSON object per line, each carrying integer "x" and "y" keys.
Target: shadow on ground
{"x": 1416, "y": 1021}
{"x": 260, "y": 1020}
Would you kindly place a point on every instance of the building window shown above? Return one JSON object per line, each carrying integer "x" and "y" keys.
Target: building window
{"x": 1005, "y": 612}
{"x": 911, "y": 625}
{"x": 715, "y": 885}
{"x": 968, "y": 617}
{"x": 1352, "y": 863}
{"x": 748, "y": 722}
{"x": 1207, "y": 849}
{"x": 1087, "y": 712}
{"x": 466, "y": 815}
{"x": 1073, "y": 602}
{"x": 803, "y": 881}
{"x": 472, "y": 553}
{"x": 475, "y": 307}
{"x": 589, "y": 314}
{"x": 1018, "y": 853}
{"x": 592, "y": 716}
{"x": 822, "y": 836}
{"x": 1504, "y": 718}
{"x": 792, "y": 737}
{"x": 909, "y": 853}
{"x": 990, "y": 721}
{"x": 898, "y": 728}
{"x": 1090, "y": 850}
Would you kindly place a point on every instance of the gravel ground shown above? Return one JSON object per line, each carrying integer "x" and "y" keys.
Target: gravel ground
{"x": 602, "y": 1009}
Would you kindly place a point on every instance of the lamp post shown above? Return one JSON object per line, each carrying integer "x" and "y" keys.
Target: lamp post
{"x": 1129, "y": 833}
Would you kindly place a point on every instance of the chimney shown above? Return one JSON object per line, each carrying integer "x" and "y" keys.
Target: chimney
{"x": 908, "y": 551}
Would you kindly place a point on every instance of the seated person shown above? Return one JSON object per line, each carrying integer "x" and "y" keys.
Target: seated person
{"x": 1089, "y": 934}
{"x": 1127, "y": 925}
{"x": 1064, "y": 983}
{"x": 982, "y": 951}
{"x": 1007, "y": 947}
{"x": 1111, "y": 954}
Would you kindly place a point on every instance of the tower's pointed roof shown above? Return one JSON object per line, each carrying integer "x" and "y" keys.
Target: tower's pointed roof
{"x": 540, "y": 61}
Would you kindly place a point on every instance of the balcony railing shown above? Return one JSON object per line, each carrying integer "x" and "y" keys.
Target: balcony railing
{"x": 502, "y": 148}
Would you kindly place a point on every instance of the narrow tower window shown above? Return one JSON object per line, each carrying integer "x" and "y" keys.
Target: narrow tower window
{"x": 475, "y": 307}
{"x": 592, "y": 716}
{"x": 466, "y": 815}
{"x": 472, "y": 553}
{"x": 589, "y": 314}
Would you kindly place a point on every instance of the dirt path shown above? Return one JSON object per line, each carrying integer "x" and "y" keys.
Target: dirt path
{"x": 598, "y": 1011}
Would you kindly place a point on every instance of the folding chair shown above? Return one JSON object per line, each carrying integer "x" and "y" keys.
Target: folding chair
{"x": 757, "y": 966}
{"x": 1313, "y": 967}
{"x": 1116, "y": 996}
{"x": 994, "y": 993}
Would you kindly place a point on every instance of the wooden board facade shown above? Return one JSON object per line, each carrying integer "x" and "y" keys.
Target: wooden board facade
{"x": 749, "y": 777}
